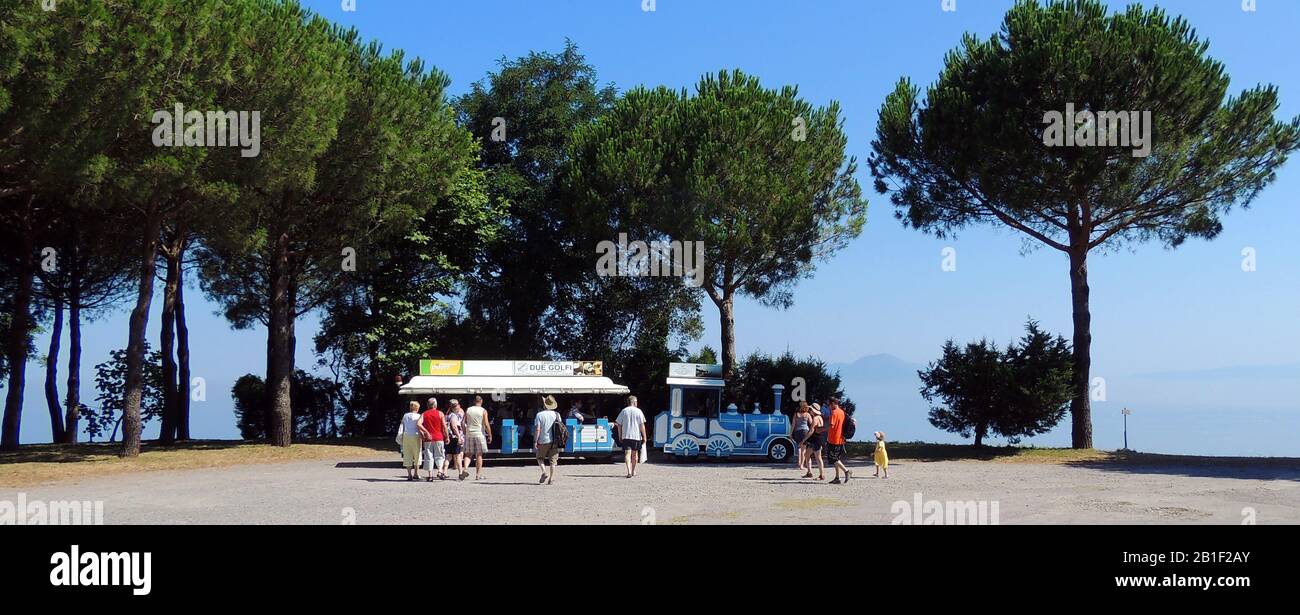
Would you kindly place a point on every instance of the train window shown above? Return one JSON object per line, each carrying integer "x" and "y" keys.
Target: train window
{"x": 700, "y": 402}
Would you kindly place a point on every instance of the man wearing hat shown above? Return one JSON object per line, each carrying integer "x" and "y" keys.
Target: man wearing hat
{"x": 548, "y": 451}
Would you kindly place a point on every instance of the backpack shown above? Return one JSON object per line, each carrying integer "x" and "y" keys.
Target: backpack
{"x": 559, "y": 433}
{"x": 849, "y": 428}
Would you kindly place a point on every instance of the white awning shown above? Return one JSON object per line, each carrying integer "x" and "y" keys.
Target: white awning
{"x": 424, "y": 385}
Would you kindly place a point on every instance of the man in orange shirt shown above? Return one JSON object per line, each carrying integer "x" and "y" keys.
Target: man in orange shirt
{"x": 835, "y": 441}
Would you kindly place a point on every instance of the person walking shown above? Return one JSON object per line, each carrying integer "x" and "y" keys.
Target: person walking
{"x": 434, "y": 452}
{"x": 548, "y": 450}
{"x": 413, "y": 433}
{"x": 631, "y": 430}
{"x": 835, "y": 441}
{"x": 815, "y": 441}
{"x": 478, "y": 434}
{"x": 881, "y": 456}
{"x": 802, "y": 428}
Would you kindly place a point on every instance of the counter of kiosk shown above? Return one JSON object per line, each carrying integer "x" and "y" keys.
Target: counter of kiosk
{"x": 583, "y": 438}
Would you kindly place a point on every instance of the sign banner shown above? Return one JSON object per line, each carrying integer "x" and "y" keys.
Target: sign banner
{"x": 441, "y": 367}
{"x": 449, "y": 367}
{"x": 557, "y": 368}
{"x": 694, "y": 370}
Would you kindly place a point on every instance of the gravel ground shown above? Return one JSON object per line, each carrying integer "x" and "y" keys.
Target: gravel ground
{"x": 375, "y": 491}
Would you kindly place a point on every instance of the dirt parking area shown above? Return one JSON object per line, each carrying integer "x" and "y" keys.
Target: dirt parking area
{"x": 373, "y": 490}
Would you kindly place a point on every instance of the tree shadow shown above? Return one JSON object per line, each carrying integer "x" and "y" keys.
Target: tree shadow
{"x": 397, "y": 463}
{"x": 925, "y": 451}
{"x": 87, "y": 451}
{"x": 1246, "y": 468}
{"x": 76, "y": 453}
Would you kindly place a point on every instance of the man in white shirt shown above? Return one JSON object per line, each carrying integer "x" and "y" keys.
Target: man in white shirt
{"x": 631, "y": 430}
{"x": 548, "y": 450}
{"x": 478, "y": 434}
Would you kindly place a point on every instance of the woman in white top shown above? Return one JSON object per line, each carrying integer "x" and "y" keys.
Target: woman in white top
{"x": 413, "y": 434}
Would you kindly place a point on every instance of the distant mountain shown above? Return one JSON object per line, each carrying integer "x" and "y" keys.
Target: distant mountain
{"x": 886, "y": 391}
{"x": 878, "y": 368}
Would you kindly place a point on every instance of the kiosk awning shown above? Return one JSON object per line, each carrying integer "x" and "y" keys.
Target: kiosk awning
{"x": 424, "y": 385}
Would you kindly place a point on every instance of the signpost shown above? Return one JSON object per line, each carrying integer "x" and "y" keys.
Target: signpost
{"x": 1126, "y": 412}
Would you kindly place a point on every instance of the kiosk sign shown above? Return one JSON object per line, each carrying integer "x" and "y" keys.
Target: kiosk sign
{"x": 457, "y": 367}
{"x": 441, "y": 367}
{"x": 694, "y": 370}
{"x": 557, "y": 368}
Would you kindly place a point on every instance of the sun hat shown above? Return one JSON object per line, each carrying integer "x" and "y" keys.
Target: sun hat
{"x": 548, "y": 402}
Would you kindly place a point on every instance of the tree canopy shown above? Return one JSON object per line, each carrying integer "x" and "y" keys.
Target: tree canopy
{"x": 1018, "y": 392}
{"x": 758, "y": 176}
{"x": 978, "y": 149}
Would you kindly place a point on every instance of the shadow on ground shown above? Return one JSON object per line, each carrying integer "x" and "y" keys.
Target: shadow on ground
{"x": 1249, "y": 468}
{"x": 77, "y": 453}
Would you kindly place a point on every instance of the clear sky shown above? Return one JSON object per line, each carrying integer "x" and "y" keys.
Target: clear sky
{"x": 1173, "y": 313}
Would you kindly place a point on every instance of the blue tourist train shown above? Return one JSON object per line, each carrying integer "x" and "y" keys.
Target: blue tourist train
{"x": 694, "y": 426}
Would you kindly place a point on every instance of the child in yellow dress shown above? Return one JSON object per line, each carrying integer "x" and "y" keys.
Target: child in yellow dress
{"x": 882, "y": 456}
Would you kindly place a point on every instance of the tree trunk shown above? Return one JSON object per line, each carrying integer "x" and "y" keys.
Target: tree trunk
{"x": 134, "y": 385}
{"x": 727, "y": 313}
{"x": 1080, "y": 406}
{"x": 74, "y": 366}
{"x": 52, "y": 375}
{"x": 166, "y": 343}
{"x": 16, "y": 346}
{"x": 979, "y": 436}
{"x": 182, "y": 360}
{"x": 279, "y": 368}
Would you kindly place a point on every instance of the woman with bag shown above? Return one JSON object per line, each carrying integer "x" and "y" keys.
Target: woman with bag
{"x": 413, "y": 435}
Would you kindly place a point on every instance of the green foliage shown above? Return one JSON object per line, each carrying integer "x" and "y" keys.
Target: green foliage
{"x": 705, "y": 354}
{"x": 531, "y": 293}
{"x": 249, "y": 396}
{"x": 758, "y": 372}
{"x": 316, "y": 412}
{"x": 758, "y": 175}
{"x": 110, "y": 382}
{"x": 973, "y": 150}
{"x": 1020, "y": 392}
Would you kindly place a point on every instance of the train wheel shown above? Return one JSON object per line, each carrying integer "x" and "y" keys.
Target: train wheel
{"x": 720, "y": 447}
{"x": 685, "y": 446}
{"x": 779, "y": 450}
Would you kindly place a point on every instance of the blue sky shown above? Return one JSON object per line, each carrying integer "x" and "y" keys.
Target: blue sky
{"x": 1160, "y": 317}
